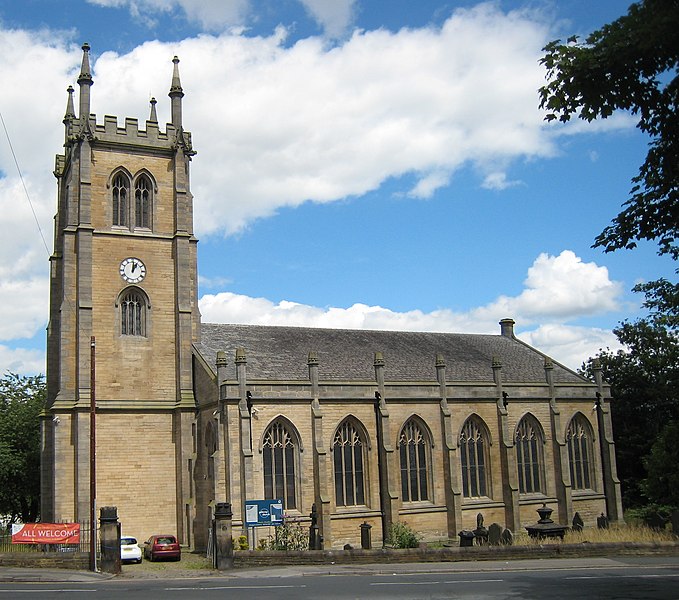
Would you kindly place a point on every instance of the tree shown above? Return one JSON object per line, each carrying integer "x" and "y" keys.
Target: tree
{"x": 21, "y": 401}
{"x": 644, "y": 380}
{"x": 629, "y": 64}
{"x": 662, "y": 484}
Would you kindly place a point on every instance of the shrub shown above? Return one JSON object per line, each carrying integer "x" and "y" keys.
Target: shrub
{"x": 655, "y": 516}
{"x": 289, "y": 536}
{"x": 242, "y": 542}
{"x": 402, "y": 536}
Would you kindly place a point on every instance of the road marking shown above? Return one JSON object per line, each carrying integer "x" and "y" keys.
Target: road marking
{"x": 437, "y": 582}
{"x": 43, "y": 591}
{"x": 232, "y": 587}
{"x": 475, "y": 581}
{"x": 406, "y": 583}
{"x": 640, "y": 576}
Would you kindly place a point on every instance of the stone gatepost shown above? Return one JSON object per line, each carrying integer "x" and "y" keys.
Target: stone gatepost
{"x": 109, "y": 538}
{"x": 222, "y": 532}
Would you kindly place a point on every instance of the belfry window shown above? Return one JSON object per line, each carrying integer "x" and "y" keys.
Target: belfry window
{"x": 133, "y": 313}
{"x": 529, "y": 443}
{"x": 579, "y": 441}
{"x": 474, "y": 459}
{"x": 348, "y": 458}
{"x": 121, "y": 194}
{"x": 280, "y": 454}
{"x": 414, "y": 466}
{"x": 142, "y": 202}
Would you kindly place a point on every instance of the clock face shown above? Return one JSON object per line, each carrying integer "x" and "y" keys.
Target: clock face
{"x": 132, "y": 270}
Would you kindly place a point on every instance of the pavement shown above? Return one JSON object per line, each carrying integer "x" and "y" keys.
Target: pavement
{"x": 35, "y": 575}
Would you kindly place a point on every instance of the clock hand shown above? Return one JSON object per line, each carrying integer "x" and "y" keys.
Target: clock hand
{"x": 134, "y": 266}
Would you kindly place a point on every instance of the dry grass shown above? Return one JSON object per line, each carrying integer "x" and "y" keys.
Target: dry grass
{"x": 189, "y": 564}
{"x": 614, "y": 534}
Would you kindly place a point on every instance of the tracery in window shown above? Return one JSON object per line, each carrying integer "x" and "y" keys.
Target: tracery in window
{"x": 529, "y": 456}
{"x": 474, "y": 458}
{"x": 579, "y": 441}
{"x": 414, "y": 465}
{"x": 280, "y": 455}
{"x": 348, "y": 458}
{"x": 142, "y": 202}
{"x": 133, "y": 313}
{"x": 120, "y": 198}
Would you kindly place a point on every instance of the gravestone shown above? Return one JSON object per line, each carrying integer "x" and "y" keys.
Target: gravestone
{"x": 480, "y": 533}
{"x": 578, "y": 523}
{"x": 494, "y": 534}
{"x": 602, "y": 521}
{"x": 466, "y": 538}
{"x": 507, "y": 537}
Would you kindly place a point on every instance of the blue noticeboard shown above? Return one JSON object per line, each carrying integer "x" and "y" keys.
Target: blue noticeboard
{"x": 263, "y": 512}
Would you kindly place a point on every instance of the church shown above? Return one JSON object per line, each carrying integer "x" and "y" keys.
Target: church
{"x": 362, "y": 427}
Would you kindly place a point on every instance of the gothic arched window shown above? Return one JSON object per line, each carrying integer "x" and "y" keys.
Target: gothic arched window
{"x": 414, "y": 465}
{"x": 529, "y": 456}
{"x": 474, "y": 458}
{"x": 280, "y": 456}
{"x": 348, "y": 449}
{"x": 133, "y": 313}
{"x": 211, "y": 449}
{"x": 579, "y": 441}
{"x": 120, "y": 198}
{"x": 143, "y": 196}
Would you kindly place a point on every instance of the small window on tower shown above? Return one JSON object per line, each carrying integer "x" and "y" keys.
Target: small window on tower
{"x": 143, "y": 196}
{"x": 133, "y": 313}
{"x": 121, "y": 195}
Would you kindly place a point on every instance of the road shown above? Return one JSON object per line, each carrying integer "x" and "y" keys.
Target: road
{"x": 606, "y": 579}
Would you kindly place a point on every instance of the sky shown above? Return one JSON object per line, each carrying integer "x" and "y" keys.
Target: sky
{"x": 377, "y": 164}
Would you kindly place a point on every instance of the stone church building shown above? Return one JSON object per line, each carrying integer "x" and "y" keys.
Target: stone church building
{"x": 370, "y": 427}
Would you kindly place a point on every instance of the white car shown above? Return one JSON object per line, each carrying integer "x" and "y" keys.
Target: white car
{"x": 129, "y": 550}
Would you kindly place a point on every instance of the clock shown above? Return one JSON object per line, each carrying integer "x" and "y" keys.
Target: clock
{"x": 132, "y": 270}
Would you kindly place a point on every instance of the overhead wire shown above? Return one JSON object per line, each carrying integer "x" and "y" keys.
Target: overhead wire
{"x": 23, "y": 183}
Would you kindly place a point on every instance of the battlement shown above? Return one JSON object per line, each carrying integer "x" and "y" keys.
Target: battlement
{"x": 130, "y": 133}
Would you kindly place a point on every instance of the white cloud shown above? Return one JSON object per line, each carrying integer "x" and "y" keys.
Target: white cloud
{"x": 569, "y": 344}
{"x": 24, "y": 307}
{"x": 560, "y": 288}
{"x": 557, "y": 288}
{"x": 334, "y": 16}
{"x": 427, "y": 185}
{"x": 211, "y": 15}
{"x": 498, "y": 181}
{"x": 278, "y": 126}
{"x": 21, "y": 361}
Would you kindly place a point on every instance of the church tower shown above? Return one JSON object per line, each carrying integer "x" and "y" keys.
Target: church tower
{"x": 123, "y": 289}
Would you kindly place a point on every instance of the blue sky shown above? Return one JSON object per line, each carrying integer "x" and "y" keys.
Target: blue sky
{"x": 361, "y": 163}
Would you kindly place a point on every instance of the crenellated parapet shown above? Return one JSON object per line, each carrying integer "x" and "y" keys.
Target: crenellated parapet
{"x": 150, "y": 136}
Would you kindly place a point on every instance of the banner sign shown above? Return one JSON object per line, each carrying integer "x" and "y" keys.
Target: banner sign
{"x": 46, "y": 533}
{"x": 263, "y": 512}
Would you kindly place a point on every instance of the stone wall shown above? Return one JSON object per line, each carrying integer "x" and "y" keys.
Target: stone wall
{"x": 46, "y": 560}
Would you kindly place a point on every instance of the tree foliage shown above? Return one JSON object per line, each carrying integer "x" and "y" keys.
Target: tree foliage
{"x": 644, "y": 380}
{"x": 629, "y": 64}
{"x": 662, "y": 483}
{"x": 21, "y": 400}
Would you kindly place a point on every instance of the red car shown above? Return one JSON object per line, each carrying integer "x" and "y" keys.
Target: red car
{"x": 162, "y": 546}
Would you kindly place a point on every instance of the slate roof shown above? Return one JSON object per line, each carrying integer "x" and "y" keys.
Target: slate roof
{"x": 280, "y": 354}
